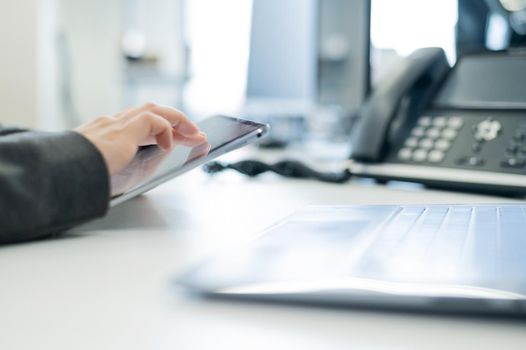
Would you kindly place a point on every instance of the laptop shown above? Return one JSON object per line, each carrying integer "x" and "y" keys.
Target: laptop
{"x": 445, "y": 258}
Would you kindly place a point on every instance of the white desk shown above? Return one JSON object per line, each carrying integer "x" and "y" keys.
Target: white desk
{"x": 107, "y": 285}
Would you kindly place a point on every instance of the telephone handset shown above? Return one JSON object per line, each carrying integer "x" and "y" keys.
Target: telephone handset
{"x": 396, "y": 102}
{"x": 462, "y": 127}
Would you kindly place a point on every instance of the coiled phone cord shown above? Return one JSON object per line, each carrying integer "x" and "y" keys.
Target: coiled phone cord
{"x": 286, "y": 168}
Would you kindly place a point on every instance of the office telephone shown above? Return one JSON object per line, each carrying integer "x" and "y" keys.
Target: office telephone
{"x": 462, "y": 127}
{"x": 456, "y": 128}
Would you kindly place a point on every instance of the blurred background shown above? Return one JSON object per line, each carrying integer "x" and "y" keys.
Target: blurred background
{"x": 304, "y": 65}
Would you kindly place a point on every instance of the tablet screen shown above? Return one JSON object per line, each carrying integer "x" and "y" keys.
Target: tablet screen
{"x": 152, "y": 163}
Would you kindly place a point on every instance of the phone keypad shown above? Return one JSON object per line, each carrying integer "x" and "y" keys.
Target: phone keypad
{"x": 490, "y": 143}
{"x": 475, "y": 143}
{"x": 431, "y": 138}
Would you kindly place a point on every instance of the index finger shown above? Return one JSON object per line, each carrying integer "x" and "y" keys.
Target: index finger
{"x": 179, "y": 121}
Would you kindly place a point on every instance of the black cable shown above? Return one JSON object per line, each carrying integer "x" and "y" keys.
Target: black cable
{"x": 286, "y": 168}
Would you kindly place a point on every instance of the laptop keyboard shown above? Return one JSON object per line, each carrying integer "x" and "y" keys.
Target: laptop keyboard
{"x": 479, "y": 245}
{"x": 447, "y": 243}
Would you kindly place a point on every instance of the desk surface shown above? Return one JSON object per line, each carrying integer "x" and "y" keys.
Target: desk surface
{"x": 106, "y": 285}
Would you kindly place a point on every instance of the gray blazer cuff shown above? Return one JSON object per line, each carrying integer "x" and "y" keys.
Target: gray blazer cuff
{"x": 48, "y": 183}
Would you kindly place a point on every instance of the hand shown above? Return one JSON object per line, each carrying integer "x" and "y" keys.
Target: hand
{"x": 118, "y": 137}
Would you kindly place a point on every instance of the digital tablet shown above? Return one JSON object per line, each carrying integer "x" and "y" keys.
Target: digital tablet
{"x": 152, "y": 166}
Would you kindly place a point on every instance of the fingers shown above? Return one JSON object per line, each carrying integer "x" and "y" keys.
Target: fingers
{"x": 127, "y": 111}
{"x": 176, "y": 118}
{"x": 150, "y": 128}
{"x": 147, "y": 126}
{"x": 192, "y": 141}
{"x": 118, "y": 137}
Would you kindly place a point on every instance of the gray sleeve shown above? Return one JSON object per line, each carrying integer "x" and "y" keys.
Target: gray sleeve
{"x": 10, "y": 130}
{"x": 48, "y": 183}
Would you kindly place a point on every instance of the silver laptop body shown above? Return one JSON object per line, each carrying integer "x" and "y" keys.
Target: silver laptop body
{"x": 451, "y": 258}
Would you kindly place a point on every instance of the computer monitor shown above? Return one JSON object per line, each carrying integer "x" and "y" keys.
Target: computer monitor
{"x": 308, "y": 64}
{"x": 283, "y": 52}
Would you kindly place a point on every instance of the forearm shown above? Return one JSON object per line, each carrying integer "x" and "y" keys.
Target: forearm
{"x": 49, "y": 182}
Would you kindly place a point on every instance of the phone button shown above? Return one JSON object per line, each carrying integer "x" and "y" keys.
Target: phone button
{"x": 418, "y": 131}
{"x": 424, "y": 121}
{"x": 435, "y": 156}
{"x": 405, "y": 154}
{"x": 476, "y": 147}
{"x": 440, "y": 121}
{"x": 426, "y": 143}
{"x": 449, "y": 134}
{"x": 487, "y": 130}
{"x": 473, "y": 161}
{"x": 455, "y": 122}
{"x": 411, "y": 142}
{"x": 519, "y": 136}
{"x": 513, "y": 163}
{"x": 420, "y": 155}
{"x": 434, "y": 133}
{"x": 512, "y": 148}
{"x": 442, "y": 145}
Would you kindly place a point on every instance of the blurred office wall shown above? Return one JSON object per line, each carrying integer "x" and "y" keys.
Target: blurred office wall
{"x": 59, "y": 61}
{"x": 23, "y": 81}
{"x": 90, "y": 59}
{"x": 119, "y": 53}
{"x": 218, "y": 37}
{"x": 400, "y": 27}
{"x": 156, "y": 55}
{"x": 64, "y": 62}
{"x": 67, "y": 61}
